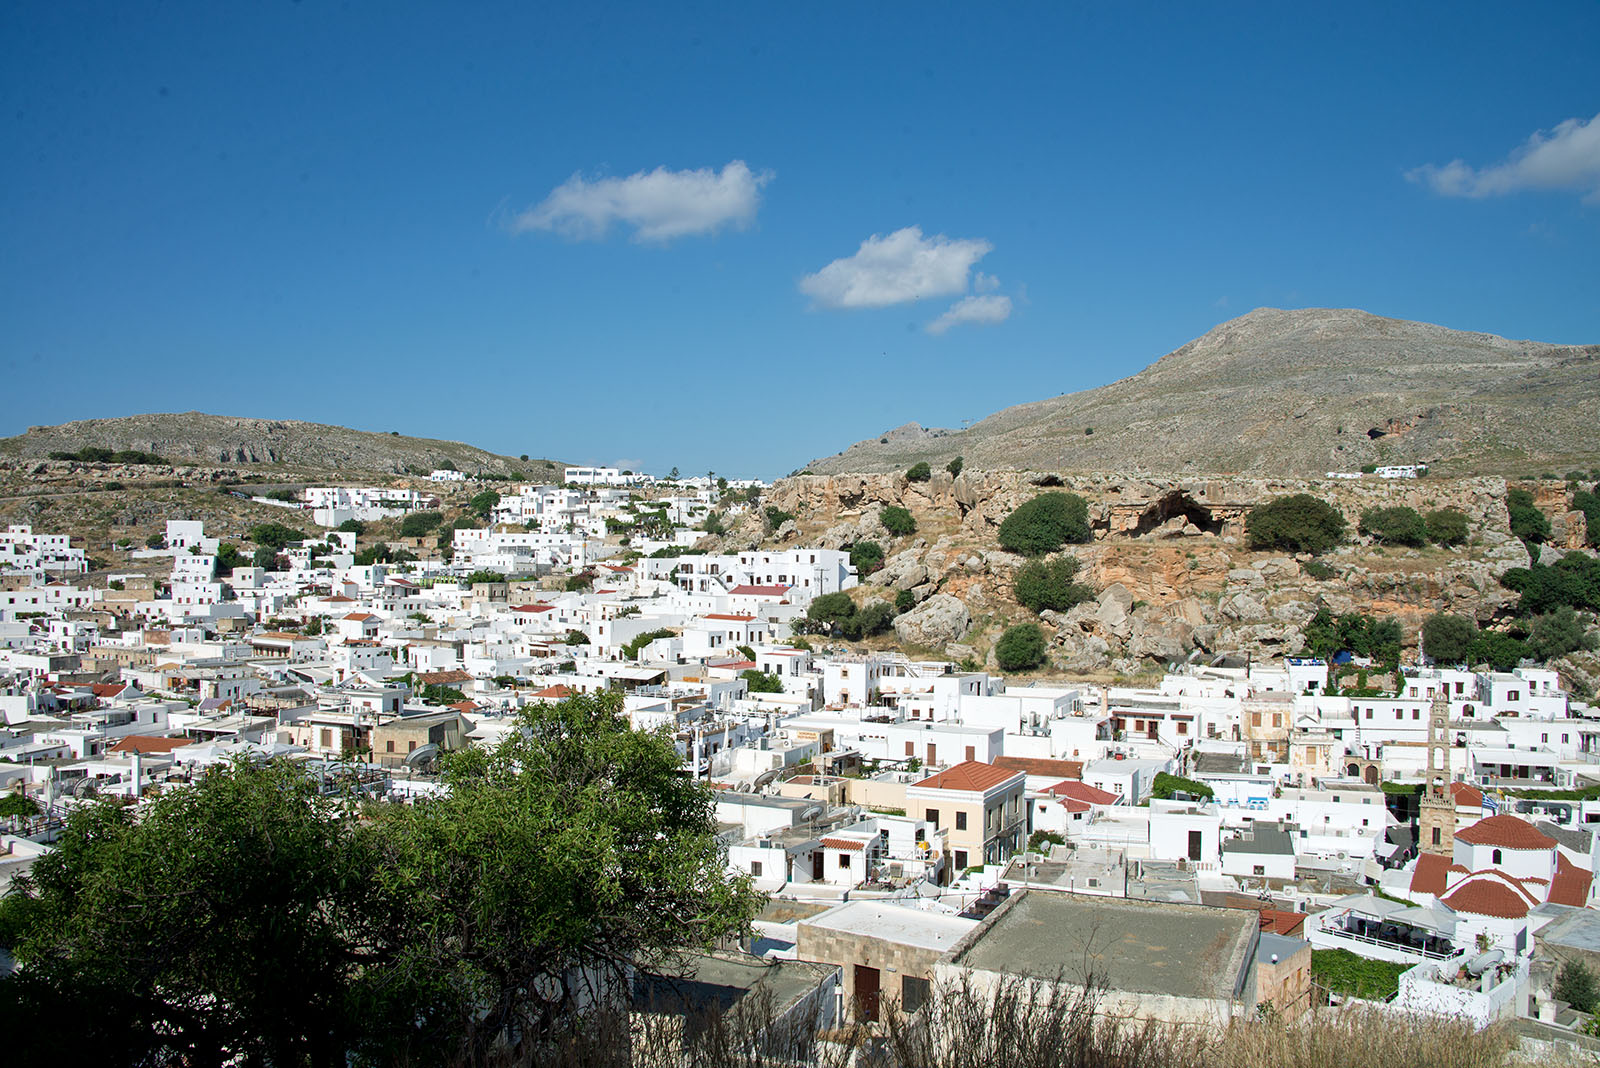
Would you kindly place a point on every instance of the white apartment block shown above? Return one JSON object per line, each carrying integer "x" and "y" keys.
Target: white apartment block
{"x": 22, "y": 552}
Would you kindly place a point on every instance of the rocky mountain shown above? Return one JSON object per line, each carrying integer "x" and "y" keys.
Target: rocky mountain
{"x": 1293, "y": 393}
{"x": 197, "y": 438}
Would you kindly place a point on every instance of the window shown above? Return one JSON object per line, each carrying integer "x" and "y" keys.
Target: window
{"x": 1369, "y": 713}
{"x": 961, "y": 821}
{"x": 389, "y": 746}
{"x": 972, "y": 752}
{"x": 913, "y": 993}
{"x": 1183, "y": 728}
{"x": 844, "y": 860}
{"x": 1255, "y": 719}
{"x": 1258, "y": 869}
{"x": 755, "y": 868}
{"x": 961, "y": 859}
{"x": 1494, "y": 857}
{"x": 1436, "y": 839}
{"x": 911, "y": 749}
{"x": 932, "y": 816}
{"x": 1415, "y": 714}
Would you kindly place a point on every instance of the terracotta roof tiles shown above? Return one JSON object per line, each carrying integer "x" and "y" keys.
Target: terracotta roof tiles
{"x": 970, "y": 775}
{"x": 1507, "y": 832}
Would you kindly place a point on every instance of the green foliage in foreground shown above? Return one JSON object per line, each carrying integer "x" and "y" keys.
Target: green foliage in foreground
{"x": 247, "y": 920}
{"x": 1342, "y": 972}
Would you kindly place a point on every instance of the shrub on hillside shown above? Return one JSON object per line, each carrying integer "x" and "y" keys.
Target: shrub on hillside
{"x": 919, "y": 472}
{"x": 955, "y": 466}
{"x": 417, "y": 524}
{"x": 1447, "y": 637}
{"x": 1042, "y": 584}
{"x": 897, "y": 521}
{"x": 1045, "y": 524}
{"x": 1020, "y": 648}
{"x": 1527, "y": 522}
{"x": 1395, "y": 526}
{"x": 1499, "y": 650}
{"x": 1573, "y": 580}
{"x": 866, "y": 557}
{"x": 1299, "y": 524}
{"x": 1446, "y": 526}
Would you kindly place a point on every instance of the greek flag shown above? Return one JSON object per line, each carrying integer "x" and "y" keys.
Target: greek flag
{"x": 1490, "y": 805}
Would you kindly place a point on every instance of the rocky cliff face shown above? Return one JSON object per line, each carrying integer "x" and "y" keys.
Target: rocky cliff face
{"x": 1168, "y": 559}
{"x": 196, "y": 438}
{"x": 1295, "y": 393}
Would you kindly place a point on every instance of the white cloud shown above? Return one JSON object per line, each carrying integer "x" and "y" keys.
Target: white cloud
{"x": 1567, "y": 157}
{"x": 660, "y": 204}
{"x": 986, "y": 310}
{"x": 893, "y": 269}
{"x": 985, "y": 283}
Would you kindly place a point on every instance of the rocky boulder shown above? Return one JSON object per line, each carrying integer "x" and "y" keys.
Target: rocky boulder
{"x": 934, "y": 623}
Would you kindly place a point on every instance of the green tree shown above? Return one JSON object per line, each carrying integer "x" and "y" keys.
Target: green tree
{"x": 1556, "y": 633}
{"x": 1299, "y": 523}
{"x": 604, "y": 853}
{"x": 1163, "y": 786}
{"x": 577, "y": 637}
{"x": 1588, "y": 502}
{"x": 762, "y": 682}
{"x": 228, "y": 558}
{"x": 169, "y": 938}
{"x": 919, "y": 472}
{"x": 1395, "y": 526}
{"x": 418, "y": 524}
{"x": 482, "y": 576}
{"x": 18, "y": 806}
{"x": 583, "y": 580}
{"x": 876, "y": 618}
{"x": 157, "y": 540}
{"x": 897, "y": 520}
{"x": 1498, "y": 649}
{"x": 1576, "y": 985}
{"x": 483, "y": 503}
{"x": 1020, "y": 648}
{"x": 828, "y": 612}
{"x": 1448, "y": 638}
{"x": 955, "y": 466}
{"x": 265, "y": 557}
{"x": 1572, "y": 580}
{"x": 777, "y": 517}
{"x": 866, "y": 557}
{"x": 904, "y": 601}
{"x": 1045, "y": 523}
{"x": 632, "y": 649}
{"x": 1446, "y": 526}
{"x": 275, "y": 535}
{"x": 352, "y": 526}
{"x": 1048, "y": 583}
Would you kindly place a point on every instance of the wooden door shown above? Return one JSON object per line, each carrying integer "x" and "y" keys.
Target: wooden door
{"x": 866, "y": 993}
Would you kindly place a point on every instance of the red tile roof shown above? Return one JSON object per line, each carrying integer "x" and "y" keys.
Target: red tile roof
{"x": 739, "y": 619}
{"x": 1082, "y": 791}
{"x": 1061, "y": 769}
{"x": 360, "y": 617}
{"x": 758, "y": 591}
{"x": 532, "y": 607}
{"x": 843, "y": 843}
{"x": 1431, "y": 874}
{"x": 971, "y": 775}
{"x": 1466, "y": 796}
{"x": 1281, "y": 922}
{"x": 1507, "y": 832}
{"x": 557, "y": 691}
{"x": 145, "y": 743}
{"x": 1488, "y": 897}
{"x": 108, "y": 689}
{"x": 1571, "y": 884}
{"x": 441, "y": 678}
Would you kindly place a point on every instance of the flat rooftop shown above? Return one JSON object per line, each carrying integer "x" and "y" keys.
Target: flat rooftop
{"x": 718, "y": 981}
{"x": 1189, "y": 951}
{"x": 895, "y": 923}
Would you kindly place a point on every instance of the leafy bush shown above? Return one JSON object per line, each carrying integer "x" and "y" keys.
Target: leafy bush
{"x": 1446, "y": 526}
{"x": 1498, "y": 649}
{"x": 866, "y": 557}
{"x": 482, "y": 576}
{"x": 418, "y": 524}
{"x": 576, "y": 637}
{"x": 484, "y": 503}
{"x": 762, "y": 682}
{"x": 1045, "y": 523}
{"x": 955, "y": 466}
{"x": 1354, "y": 633}
{"x": 1042, "y": 584}
{"x": 156, "y": 541}
{"x": 777, "y": 517}
{"x": 94, "y": 455}
{"x": 1527, "y": 522}
{"x": 1573, "y": 580}
{"x": 1448, "y": 638}
{"x": 1342, "y": 972}
{"x": 1556, "y": 633}
{"x": 631, "y": 650}
{"x": 830, "y": 608}
{"x": 919, "y": 472}
{"x": 439, "y": 694}
{"x": 1020, "y": 648}
{"x": 897, "y": 520}
{"x": 904, "y": 601}
{"x": 1319, "y": 570}
{"x": 1588, "y": 502}
{"x": 352, "y": 526}
{"x": 713, "y": 524}
{"x": 1163, "y": 786}
{"x": 1395, "y": 526}
{"x": 836, "y": 613}
{"x": 1299, "y": 524}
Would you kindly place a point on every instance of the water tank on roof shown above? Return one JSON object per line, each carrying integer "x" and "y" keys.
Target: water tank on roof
{"x": 1484, "y": 961}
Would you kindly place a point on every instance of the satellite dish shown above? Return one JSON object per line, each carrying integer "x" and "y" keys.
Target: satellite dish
{"x": 422, "y": 755}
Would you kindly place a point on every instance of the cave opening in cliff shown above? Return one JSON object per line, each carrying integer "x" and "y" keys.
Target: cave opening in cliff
{"x": 1174, "y": 504}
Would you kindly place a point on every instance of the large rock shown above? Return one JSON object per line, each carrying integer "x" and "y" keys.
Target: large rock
{"x": 934, "y": 623}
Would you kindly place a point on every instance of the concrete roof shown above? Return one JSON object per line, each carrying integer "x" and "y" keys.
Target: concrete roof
{"x": 1265, "y": 838}
{"x": 1278, "y": 944}
{"x": 895, "y": 923}
{"x": 718, "y": 981}
{"x": 1190, "y": 951}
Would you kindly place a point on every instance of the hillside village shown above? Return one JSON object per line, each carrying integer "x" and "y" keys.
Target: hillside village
{"x": 917, "y": 818}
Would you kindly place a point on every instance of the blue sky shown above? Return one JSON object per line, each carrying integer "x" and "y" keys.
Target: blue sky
{"x": 735, "y": 237}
